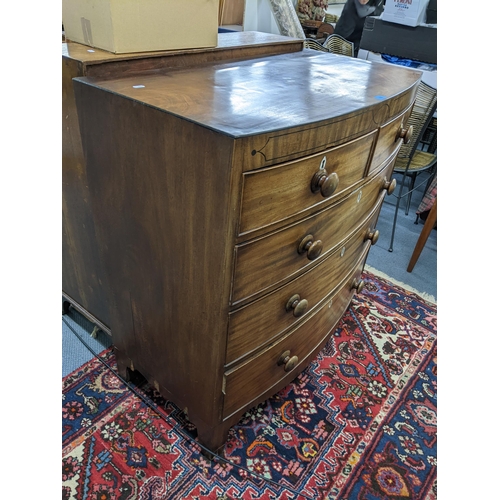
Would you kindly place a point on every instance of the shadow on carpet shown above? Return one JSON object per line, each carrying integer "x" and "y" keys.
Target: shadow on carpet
{"x": 358, "y": 423}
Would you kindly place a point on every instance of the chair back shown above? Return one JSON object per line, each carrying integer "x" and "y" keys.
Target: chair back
{"x": 339, "y": 45}
{"x": 420, "y": 117}
{"x": 310, "y": 43}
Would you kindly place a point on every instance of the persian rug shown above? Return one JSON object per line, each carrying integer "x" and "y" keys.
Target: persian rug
{"x": 359, "y": 423}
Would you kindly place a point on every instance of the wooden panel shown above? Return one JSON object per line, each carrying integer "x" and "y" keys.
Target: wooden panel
{"x": 83, "y": 276}
{"x": 274, "y": 194}
{"x": 265, "y": 262}
{"x": 257, "y": 375}
{"x": 265, "y": 319}
{"x": 166, "y": 244}
{"x": 84, "y": 280}
{"x": 232, "y": 12}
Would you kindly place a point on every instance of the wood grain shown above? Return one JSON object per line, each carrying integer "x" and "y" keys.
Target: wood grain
{"x": 263, "y": 320}
{"x": 266, "y": 262}
{"x": 274, "y": 194}
{"x": 255, "y": 376}
{"x": 170, "y": 155}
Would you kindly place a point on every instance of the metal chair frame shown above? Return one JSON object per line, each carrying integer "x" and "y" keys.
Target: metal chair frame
{"x": 411, "y": 161}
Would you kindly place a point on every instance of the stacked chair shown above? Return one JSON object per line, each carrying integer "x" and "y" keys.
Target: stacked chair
{"x": 334, "y": 43}
{"x": 412, "y": 160}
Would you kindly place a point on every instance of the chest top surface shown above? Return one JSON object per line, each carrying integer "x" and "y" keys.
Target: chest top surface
{"x": 242, "y": 98}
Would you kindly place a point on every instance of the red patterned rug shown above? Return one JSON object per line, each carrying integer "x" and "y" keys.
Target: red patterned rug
{"x": 358, "y": 423}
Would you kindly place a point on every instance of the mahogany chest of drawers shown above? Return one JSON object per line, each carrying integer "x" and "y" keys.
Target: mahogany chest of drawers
{"x": 84, "y": 282}
{"x": 235, "y": 204}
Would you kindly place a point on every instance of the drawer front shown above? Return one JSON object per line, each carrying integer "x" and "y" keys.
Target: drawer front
{"x": 249, "y": 326}
{"x": 254, "y": 377}
{"x": 274, "y": 194}
{"x": 267, "y": 261}
{"x": 388, "y": 141}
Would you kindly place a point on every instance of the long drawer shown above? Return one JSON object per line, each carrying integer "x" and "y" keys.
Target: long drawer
{"x": 269, "y": 260}
{"x": 257, "y": 375}
{"x": 267, "y": 318}
{"x": 274, "y": 194}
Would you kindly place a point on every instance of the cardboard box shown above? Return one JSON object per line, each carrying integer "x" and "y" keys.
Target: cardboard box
{"x": 122, "y": 26}
{"x": 407, "y": 12}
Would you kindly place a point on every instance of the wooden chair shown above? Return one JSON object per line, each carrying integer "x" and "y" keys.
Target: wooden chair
{"x": 339, "y": 45}
{"x": 412, "y": 161}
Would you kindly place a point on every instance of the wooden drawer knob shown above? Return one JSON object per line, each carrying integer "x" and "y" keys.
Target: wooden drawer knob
{"x": 324, "y": 182}
{"x": 289, "y": 362}
{"x": 297, "y": 305}
{"x": 313, "y": 248}
{"x": 358, "y": 285}
{"x": 405, "y": 134}
{"x": 372, "y": 235}
{"x": 390, "y": 185}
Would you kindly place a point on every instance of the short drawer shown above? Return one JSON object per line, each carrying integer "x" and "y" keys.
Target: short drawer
{"x": 267, "y": 318}
{"x": 389, "y": 139}
{"x": 254, "y": 377}
{"x": 274, "y": 194}
{"x": 265, "y": 262}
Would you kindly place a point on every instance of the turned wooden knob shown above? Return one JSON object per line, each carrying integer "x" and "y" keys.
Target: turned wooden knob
{"x": 313, "y": 248}
{"x": 358, "y": 285}
{"x": 289, "y": 362}
{"x": 389, "y": 185}
{"x": 324, "y": 182}
{"x": 405, "y": 134}
{"x": 372, "y": 235}
{"x": 297, "y": 305}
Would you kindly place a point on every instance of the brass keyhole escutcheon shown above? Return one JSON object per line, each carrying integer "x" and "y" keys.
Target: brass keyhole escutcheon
{"x": 324, "y": 182}
{"x": 297, "y": 305}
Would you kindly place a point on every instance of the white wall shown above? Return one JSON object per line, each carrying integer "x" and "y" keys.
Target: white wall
{"x": 259, "y": 16}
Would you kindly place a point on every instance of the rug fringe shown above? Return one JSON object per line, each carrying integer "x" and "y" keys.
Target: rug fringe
{"x": 426, "y": 296}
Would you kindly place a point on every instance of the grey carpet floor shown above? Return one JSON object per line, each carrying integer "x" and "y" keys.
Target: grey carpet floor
{"x": 423, "y": 278}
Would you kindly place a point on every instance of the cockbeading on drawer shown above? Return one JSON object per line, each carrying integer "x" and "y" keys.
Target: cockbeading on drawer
{"x": 249, "y": 380}
{"x": 274, "y": 194}
{"x": 265, "y": 319}
{"x": 267, "y": 262}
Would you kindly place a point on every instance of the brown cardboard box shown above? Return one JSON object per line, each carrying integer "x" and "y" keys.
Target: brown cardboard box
{"x": 122, "y": 26}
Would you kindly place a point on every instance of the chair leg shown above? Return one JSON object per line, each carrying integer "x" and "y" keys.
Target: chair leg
{"x": 396, "y": 212}
{"x": 426, "y": 230}
{"x": 410, "y": 191}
